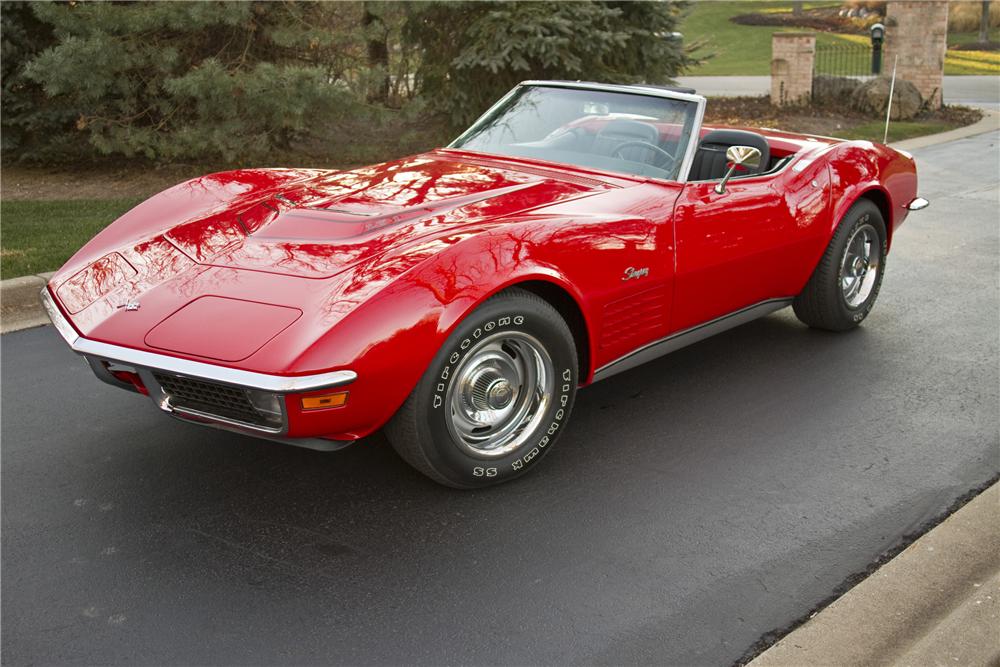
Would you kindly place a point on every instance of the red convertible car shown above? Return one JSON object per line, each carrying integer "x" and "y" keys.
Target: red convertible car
{"x": 459, "y": 298}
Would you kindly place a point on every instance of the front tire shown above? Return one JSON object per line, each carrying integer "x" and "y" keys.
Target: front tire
{"x": 495, "y": 397}
{"x": 845, "y": 284}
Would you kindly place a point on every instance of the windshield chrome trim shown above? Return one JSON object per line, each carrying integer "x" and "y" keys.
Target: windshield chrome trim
{"x": 699, "y": 116}
{"x": 637, "y": 89}
{"x": 279, "y": 384}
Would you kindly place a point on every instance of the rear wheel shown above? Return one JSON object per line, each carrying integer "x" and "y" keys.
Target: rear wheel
{"x": 845, "y": 284}
{"x": 495, "y": 397}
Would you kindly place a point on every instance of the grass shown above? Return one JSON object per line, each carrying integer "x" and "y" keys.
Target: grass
{"x": 973, "y": 62}
{"x": 898, "y": 130}
{"x": 959, "y": 38}
{"x": 741, "y": 50}
{"x": 736, "y": 50}
{"x": 39, "y": 236}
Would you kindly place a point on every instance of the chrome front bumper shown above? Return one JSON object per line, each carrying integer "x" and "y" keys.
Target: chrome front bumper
{"x": 147, "y": 365}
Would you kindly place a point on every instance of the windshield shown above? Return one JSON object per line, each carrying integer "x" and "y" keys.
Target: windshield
{"x": 630, "y": 133}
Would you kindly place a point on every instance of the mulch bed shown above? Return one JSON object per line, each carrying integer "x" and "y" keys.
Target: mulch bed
{"x": 823, "y": 20}
{"x": 759, "y": 112}
{"x": 976, "y": 46}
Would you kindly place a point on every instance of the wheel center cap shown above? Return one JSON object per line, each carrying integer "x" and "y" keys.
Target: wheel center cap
{"x": 499, "y": 394}
{"x": 859, "y": 266}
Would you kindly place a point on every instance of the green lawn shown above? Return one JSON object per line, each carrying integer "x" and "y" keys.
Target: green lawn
{"x": 38, "y": 236}
{"x": 898, "y": 130}
{"x": 736, "y": 50}
{"x": 742, "y": 50}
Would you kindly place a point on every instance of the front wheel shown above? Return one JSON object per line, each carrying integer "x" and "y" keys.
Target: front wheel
{"x": 845, "y": 284}
{"x": 495, "y": 397}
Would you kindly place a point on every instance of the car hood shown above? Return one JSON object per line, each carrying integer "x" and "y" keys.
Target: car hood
{"x": 268, "y": 245}
{"x": 323, "y": 226}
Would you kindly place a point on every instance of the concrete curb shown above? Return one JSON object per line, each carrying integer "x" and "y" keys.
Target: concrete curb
{"x": 936, "y": 603}
{"x": 20, "y": 307}
{"x": 989, "y": 122}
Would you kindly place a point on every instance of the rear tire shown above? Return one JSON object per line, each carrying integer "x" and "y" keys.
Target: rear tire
{"x": 495, "y": 397}
{"x": 845, "y": 284}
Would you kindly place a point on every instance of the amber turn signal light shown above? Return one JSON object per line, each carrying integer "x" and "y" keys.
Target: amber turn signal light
{"x": 324, "y": 401}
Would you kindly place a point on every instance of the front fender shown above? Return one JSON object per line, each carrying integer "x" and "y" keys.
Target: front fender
{"x": 864, "y": 168}
{"x": 404, "y": 307}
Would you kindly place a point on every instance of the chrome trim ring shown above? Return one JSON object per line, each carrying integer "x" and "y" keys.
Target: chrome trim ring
{"x": 859, "y": 266}
{"x": 499, "y": 394}
{"x": 278, "y": 384}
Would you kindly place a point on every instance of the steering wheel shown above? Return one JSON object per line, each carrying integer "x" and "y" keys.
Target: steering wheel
{"x": 644, "y": 144}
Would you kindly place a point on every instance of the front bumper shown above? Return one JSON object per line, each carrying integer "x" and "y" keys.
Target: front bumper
{"x": 198, "y": 392}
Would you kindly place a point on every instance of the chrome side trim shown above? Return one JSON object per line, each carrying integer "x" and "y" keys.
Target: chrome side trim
{"x": 918, "y": 204}
{"x": 279, "y": 384}
{"x": 687, "y": 337}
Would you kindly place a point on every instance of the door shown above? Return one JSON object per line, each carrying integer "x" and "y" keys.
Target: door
{"x": 754, "y": 242}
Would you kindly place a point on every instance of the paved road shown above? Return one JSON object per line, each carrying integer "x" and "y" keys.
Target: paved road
{"x": 695, "y": 504}
{"x": 977, "y": 91}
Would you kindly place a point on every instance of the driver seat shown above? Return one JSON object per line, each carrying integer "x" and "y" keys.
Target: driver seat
{"x": 619, "y": 130}
{"x": 710, "y": 159}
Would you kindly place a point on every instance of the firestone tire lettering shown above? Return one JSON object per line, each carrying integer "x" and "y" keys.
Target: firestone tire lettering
{"x": 420, "y": 432}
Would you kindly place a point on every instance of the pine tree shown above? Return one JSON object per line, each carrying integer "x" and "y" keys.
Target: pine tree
{"x": 473, "y": 52}
{"x": 195, "y": 80}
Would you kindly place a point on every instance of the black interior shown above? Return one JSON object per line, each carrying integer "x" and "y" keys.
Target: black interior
{"x": 619, "y": 131}
{"x": 710, "y": 158}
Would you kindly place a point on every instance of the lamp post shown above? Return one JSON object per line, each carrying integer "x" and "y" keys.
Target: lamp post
{"x": 878, "y": 36}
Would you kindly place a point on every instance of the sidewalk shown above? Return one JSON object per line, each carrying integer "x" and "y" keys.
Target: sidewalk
{"x": 973, "y": 91}
{"x": 936, "y": 603}
{"x": 20, "y": 307}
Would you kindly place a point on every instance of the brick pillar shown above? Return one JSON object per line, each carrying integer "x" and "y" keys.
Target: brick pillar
{"x": 792, "y": 55}
{"x": 917, "y": 32}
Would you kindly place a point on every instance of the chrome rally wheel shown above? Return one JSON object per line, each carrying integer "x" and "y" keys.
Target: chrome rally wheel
{"x": 495, "y": 397}
{"x": 843, "y": 287}
{"x": 859, "y": 270}
{"x": 500, "y": 393}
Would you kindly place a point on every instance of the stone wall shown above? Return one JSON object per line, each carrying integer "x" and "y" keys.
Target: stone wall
{"x": 792, "y": 55}
{"x": 917, "y": 32}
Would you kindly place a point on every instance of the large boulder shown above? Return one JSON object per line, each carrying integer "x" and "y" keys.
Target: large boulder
{"x": 872, "y": 96}
{"x": 830, "y": 90}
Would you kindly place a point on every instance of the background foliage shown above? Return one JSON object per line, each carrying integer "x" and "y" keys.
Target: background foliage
{"x": 473, "y": 52}
{"x": 240, "y": 81}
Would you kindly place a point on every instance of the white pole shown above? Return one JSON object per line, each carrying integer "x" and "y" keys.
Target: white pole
{"x": 888, "y": 107}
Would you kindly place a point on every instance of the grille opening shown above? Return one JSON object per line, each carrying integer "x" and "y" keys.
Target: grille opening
{"x": 215, "y": 399}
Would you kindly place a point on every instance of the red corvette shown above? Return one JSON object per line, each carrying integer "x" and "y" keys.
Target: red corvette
{"x": 460, "y": 297}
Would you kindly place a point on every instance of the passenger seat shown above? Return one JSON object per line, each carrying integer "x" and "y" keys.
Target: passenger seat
{"x": 710, "y": 159}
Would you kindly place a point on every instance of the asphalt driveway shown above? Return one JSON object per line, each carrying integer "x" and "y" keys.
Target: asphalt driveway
{"x": 695, "y": 504}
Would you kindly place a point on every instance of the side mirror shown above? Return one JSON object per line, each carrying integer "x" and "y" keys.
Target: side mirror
{"x": 738, "y": 156}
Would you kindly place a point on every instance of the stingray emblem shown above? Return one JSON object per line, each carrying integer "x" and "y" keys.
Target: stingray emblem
{"x": 131, "y": 304}
{"x": 632, "y": 273}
